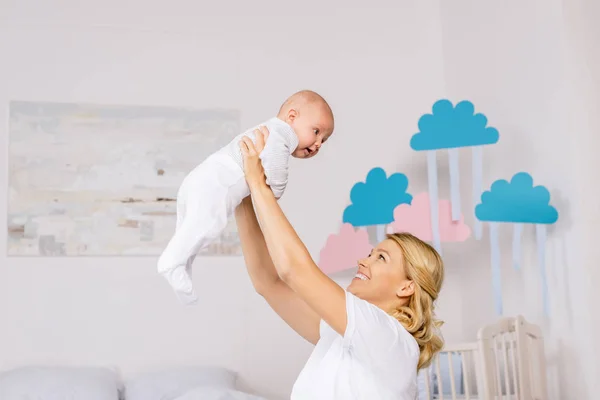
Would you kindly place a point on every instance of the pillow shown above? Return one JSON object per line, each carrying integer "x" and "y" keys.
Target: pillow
{"x": 215, "y": 393}
{"x": 168, "y": 385}
{"x": 59, "y": 383}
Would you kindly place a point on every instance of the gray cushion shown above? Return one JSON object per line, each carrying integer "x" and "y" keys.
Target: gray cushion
{"x": 59, "y": 383}
{"x": 170, "y": 384}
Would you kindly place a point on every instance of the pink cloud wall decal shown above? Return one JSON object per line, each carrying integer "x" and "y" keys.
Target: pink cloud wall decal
{"x": 342, "y": 250}
{"x": 415, "y": 218}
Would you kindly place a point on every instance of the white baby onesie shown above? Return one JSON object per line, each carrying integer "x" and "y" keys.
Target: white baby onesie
{"x": 208, "y": 196}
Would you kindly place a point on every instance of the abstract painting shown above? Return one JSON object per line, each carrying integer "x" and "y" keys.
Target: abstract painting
{"x": 102, "y": 180}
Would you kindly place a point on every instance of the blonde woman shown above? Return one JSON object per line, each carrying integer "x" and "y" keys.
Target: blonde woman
{"x": 370, "y": 339}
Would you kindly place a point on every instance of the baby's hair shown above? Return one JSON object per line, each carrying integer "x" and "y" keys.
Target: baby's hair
{"x": 424, "y": 266}
{"x": 304, "y": 97}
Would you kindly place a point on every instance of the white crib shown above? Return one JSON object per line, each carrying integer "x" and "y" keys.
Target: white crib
{"x": 506, "y": 362}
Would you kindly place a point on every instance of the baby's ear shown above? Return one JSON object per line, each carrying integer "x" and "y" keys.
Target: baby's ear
{"x": 292, "y": 114}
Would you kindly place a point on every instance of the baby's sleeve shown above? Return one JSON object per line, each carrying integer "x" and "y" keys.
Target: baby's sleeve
{"x": 275, "y": 159}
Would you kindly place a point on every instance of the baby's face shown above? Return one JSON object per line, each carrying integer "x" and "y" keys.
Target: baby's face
{"x": 313, "y": 126}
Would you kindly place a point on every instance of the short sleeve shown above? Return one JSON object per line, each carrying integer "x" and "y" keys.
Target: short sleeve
{"x": 275, "y": 158}
{"x": 372, "y": 335}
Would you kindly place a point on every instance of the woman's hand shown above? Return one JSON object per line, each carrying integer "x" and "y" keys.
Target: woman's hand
{"x": 253, "y": 168}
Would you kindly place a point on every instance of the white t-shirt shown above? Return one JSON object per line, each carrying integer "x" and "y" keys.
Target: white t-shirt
{"x": 376, "y": 359}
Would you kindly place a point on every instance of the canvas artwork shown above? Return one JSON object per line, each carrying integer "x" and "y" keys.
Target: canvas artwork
{"x": 102, "y": 180}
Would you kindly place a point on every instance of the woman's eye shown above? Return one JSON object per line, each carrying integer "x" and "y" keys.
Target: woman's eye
{"x": 381, "y": 257}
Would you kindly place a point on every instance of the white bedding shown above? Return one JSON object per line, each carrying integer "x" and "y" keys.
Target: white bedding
{"x": 64, "y": 383}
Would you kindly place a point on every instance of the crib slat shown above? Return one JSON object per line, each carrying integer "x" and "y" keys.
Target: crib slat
{"x": 465, "y": 373}
{"x": 523, "y": 360}
{"x": 439, "y": 377}
{"x": 497, "y": 368}
{"x": 541, "y": 370}
{"x": 451, "y": 370}
{"x": 532, "y": 368}
{"x": 514, "y": 354}
{"x": 506, "y": 374}
{"x": 428, "y": 383}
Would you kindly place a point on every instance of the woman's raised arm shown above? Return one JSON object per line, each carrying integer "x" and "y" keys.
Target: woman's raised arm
{"x": 283, "y": 300}
{"x": 290, "y": 257}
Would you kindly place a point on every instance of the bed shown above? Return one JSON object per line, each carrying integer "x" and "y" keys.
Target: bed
{"x": 506, "y": 362}
{"x": 95, "y": 383}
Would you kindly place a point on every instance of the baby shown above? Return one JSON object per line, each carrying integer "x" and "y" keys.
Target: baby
{"x": 210, "y": 193}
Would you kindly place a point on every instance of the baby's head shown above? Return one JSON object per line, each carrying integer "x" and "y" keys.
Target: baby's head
{"x": 311, "y": 118}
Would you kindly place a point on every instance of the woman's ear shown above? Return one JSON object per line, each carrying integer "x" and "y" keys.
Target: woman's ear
{"x": 407, "y": 289}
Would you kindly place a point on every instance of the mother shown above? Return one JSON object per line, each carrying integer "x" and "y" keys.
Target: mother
{"x": 371, "y": 338}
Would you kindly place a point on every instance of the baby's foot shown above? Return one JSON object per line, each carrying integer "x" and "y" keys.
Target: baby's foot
{"x": 181, "y": 282}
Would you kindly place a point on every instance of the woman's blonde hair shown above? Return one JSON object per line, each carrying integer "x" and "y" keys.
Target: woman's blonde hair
{"x": 423, "y": 265}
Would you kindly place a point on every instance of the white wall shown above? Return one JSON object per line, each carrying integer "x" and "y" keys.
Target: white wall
{"x": 582, "y": 35}
{"x": 523, "y": 64}
{"x": 381, "y": 66}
